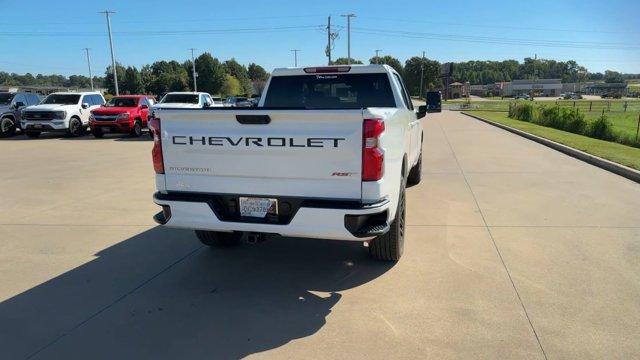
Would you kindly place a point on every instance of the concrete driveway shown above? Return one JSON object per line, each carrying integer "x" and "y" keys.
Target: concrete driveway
{"x": 513, "y": 251}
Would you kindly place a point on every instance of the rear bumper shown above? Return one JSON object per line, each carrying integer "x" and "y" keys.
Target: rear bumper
{"x": 309, "y": 218}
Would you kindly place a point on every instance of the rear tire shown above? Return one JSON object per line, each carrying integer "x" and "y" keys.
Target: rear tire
{"x": 33, "y": 134}
{"x": 415, "y": 174}
{"x": 389, "y": 246}
{"x": 219, "y": 239}
{"x": 7, "y": 127}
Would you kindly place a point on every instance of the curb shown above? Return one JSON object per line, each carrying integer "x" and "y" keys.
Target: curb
{"x": 604, "y": 164}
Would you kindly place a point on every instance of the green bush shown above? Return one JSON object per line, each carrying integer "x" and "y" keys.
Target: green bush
{"x": 523, "y": 111}
{"x": 601, "y": 129}
{"x": 628, "y": 140}
{"x": 574, "y": 121}
{"x": 550, "y": 116}
{"x": 570, "y": 120}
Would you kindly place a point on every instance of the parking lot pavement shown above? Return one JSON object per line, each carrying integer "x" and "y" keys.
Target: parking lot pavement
{"x": 513, "y": 251}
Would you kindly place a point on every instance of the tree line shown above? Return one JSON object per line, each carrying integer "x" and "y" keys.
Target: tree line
{"x": 232, "y": 78}
{"x": 73, "y": 81}
{"x": 488, "y": 72}
{"x": 219, "y": 78}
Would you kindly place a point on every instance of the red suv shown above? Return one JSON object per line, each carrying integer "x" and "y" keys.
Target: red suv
{"x": 125, "y": 114}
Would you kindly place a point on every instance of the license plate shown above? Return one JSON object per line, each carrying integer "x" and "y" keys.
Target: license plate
{"x": 37, "y": 126}
{"x": 258, "y": 207}
{"x": 106, "y": 129}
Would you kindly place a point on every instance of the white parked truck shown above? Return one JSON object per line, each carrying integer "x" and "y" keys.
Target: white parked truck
{"x": 327, "y": 154}
{"x": 61, "y": 112}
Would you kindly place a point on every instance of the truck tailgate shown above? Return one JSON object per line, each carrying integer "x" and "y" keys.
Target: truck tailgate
{"x": 306, "y": 153}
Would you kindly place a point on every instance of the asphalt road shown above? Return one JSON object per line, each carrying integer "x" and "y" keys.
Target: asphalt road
{"x": 513, "y": 251}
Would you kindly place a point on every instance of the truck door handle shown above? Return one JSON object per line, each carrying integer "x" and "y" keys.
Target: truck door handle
{"x": 253, "y": 119}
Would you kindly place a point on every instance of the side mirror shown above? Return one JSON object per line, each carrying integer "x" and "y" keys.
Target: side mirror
{"x": 206, "y": 105}
{"x": 422, "y": 111}
{"x": 144, "y": 106}
{"x": 18, "y": 105}
{"x": 85, "y": 105}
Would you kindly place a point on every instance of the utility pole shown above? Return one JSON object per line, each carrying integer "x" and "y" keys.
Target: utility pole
{"x": 329, "y": 39}
{"x": 348, "y": 16}
{"x": 377, "y": 57}
{"x": 89, "y": 63}
{"x": 421, "y": 75}
{"x": 193, "y": 68}
{"x": 331, "y": 36}
{"x": 535, "y": 74}
{"x": 295, "y": 56}
{"x": 113, "y": 58}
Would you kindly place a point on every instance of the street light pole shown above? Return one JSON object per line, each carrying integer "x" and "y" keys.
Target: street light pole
{"x": 113, "y": 58}
{"x": 193, "y": 68}
{"x": 421, "y": 75}
{"x": 377, "y": 57}
{"x": 295, "y": 57}
{"x": 89, "y": 63}
{"x": 348, "y": 16}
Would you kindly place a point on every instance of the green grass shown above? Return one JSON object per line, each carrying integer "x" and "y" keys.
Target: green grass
{"x": 623, "y": 123}
{"x": 595, "y": 106}
{"x": 621, "y": 154}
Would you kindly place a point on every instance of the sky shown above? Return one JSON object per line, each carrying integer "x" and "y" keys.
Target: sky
{"x": 49, "y": 36}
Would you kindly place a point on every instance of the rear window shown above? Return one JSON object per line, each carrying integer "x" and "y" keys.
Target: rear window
{"x": 330, "y": 91}
{"x": 122, "y": 102}
{"x": 180, "y": 99}
{"x": 62, "y": 99}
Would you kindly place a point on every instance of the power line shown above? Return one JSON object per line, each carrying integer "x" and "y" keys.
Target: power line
{"x": 509, "y": 27}
{"x": 163, "y": 32}
{"x": 498, "y": 40}
{"x": 43, "y": 21}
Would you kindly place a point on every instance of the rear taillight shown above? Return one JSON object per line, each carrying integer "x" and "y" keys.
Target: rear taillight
{"x": 156, "y": 152}
{"x": 372, "y": 155}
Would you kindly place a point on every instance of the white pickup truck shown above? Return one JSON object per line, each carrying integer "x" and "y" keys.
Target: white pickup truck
{"x": 327, "y": 154}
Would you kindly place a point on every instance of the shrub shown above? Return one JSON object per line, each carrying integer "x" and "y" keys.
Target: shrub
{"x": 523, "y": 112}
{"x": 628, "y": 140}
{"x": 574, "y": 121}
{"x": 571, "y": 120}
{"x": 600, "y": 129}
{"x": 550, "y": 116}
